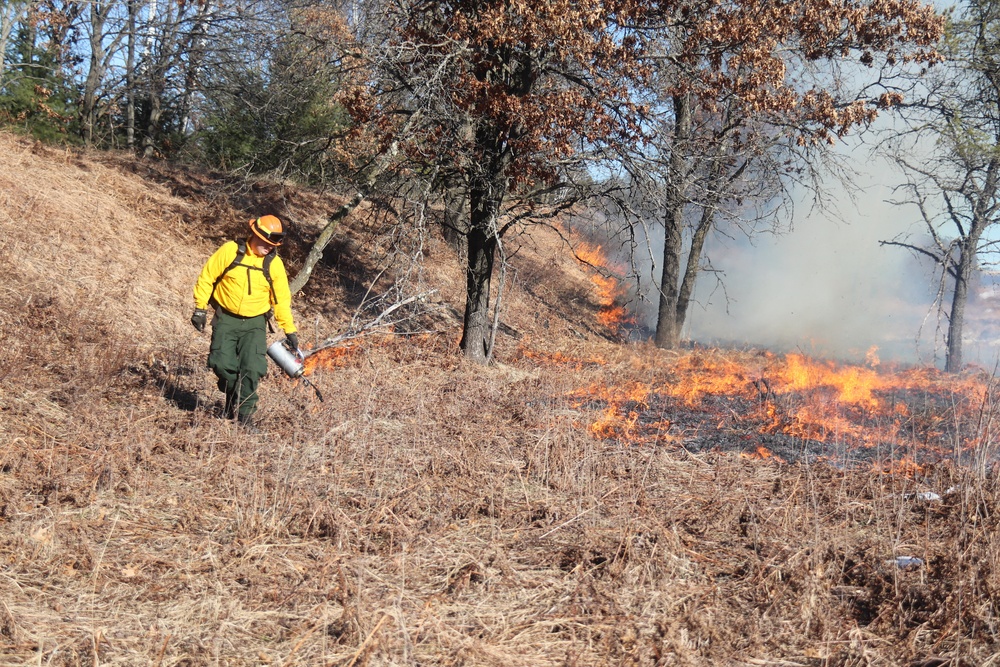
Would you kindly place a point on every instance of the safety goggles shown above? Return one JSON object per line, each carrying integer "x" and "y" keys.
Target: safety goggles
{"x": 274, "y": 238}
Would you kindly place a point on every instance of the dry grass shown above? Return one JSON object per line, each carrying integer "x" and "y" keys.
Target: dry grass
{"x": 429, "y": 512}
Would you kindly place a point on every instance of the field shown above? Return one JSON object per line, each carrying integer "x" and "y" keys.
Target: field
{"x": 580, "y": 502}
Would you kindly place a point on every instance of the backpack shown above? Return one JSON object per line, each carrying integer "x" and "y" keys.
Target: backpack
{"x": 241, "y": 252}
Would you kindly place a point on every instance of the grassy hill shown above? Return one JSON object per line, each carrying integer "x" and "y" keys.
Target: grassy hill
{"x": 582, "y": 502}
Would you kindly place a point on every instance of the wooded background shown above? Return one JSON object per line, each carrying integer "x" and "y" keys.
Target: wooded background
{"x": 677, "y": 119}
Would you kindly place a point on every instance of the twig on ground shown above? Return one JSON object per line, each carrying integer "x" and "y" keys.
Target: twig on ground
{"x": 370, "y": 327}
{"x": 368, "y": 640}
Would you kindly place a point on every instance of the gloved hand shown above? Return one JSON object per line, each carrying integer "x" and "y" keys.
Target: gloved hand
{"x": 199, "y": 318}
{"x": 292, "y": 342}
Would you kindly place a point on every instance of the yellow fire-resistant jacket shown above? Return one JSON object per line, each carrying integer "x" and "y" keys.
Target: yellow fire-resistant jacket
{"x": 244, "y": 291}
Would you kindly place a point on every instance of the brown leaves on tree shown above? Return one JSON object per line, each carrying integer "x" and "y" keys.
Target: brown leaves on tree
{"x": 508, "y": 91}
{"x": 745, "y": 48}
{"x": 541, "y": 78}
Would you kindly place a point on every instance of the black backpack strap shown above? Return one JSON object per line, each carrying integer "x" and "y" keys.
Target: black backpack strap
{"x": 268, "y": 258}
{"x": 241, "y": 252}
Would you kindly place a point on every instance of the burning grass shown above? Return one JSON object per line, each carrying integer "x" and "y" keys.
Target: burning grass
{"x": 436, "y": 513}
{"x": 811, "y": 410}
{"x": 608, "y": 280}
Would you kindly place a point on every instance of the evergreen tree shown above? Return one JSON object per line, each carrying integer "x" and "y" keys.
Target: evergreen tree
{"x": 36, "y": 91}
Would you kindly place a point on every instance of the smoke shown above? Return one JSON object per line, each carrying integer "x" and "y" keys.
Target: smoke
{"x": 826, "y": 288}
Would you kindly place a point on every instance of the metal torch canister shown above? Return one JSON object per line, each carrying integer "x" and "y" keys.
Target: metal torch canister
{"x": 289, "y": 361}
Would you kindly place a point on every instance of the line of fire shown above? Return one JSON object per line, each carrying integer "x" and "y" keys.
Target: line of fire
{"x": 764, "y": 405}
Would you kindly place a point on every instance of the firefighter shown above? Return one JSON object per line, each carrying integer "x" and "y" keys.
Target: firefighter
{"x": 244, "y": 281}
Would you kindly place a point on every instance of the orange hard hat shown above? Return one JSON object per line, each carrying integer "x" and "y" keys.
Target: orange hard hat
{"x": 268, "y": 229}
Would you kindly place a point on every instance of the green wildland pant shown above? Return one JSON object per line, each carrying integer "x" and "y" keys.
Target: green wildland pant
{"x": 238, "y": 356}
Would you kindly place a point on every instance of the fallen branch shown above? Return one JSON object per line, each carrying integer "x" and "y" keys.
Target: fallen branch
{"x": 369, "y": 327}
{"x": 382, "y": 164}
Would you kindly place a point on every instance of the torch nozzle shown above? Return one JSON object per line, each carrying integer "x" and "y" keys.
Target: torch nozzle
{"x": 314, "y": 388}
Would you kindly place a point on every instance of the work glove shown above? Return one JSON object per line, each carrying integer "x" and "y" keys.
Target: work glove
{"x": 292, "y": 342}
{"x": 199, "y": 318}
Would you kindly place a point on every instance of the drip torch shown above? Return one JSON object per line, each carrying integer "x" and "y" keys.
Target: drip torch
{"x": 291, "y": 363}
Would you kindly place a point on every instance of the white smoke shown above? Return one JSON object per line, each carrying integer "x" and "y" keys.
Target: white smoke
{"x": 827, "y": 287}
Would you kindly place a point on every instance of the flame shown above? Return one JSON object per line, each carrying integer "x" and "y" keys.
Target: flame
{"x": 700, "y": 376}
{"x": 762, "y": 453}
{"x": 854, "y": 385}
{"x": 856, "y": 406}
{"x": 871, "y": 357}
{"x": 625, "y": 417}
{"x": 330, "y": 358}
{"x": 610, "y": 291}
{"x": 559, "y": 359}
{"x": 343, "y": 354}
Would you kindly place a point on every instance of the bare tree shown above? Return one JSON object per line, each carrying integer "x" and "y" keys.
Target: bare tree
{"x": 956, "y": 184}
{"x": 11, "y": 13}
{"x": 176, "y": 40}
{"x": 731, "y": 134}
{"x": 105, "y": 33}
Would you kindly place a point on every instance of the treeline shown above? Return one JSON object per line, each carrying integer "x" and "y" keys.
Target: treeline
{"x": 678, "y": 114}
{"x": 243, "y": 86}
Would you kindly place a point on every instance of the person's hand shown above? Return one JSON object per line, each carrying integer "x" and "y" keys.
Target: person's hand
{"x": 199, "y": 318}
{"x": 292, "y": 342}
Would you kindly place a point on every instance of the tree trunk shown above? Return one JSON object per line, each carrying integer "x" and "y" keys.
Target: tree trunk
{"x": 130, "y": 75}
{"x": 95, "y": 73}
{"x": 318, "y": 246}
{"x": 155, "y": 83}
{"x": 983, "y": 214}
{"x": 195, "y": 58}
{"x": 456, "y": 217}
{"x": 10, "y": 14}
{"x": 964, "y": 268}
{"x": 956, "y": 319}
{"x": 482, "y": 247}
{"x": 455, "y": 228}
{"x": 487, "y": 191}
{"x": 668, "y": 327}
{"x": 153, "y": 123}
{"x": 382, "y": 164}
{"x": 693, "y": 265}
{"x": 719, "y": 179}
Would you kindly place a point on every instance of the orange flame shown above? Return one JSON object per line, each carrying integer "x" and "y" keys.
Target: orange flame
{"x": 622, "y": 419}
{"x": 853, "y": 384}
{"x": 855, "y": 406}
{"x": 762, "y": 453}
{"x": 330, "y": 358}
{"x": 610, "y": 291}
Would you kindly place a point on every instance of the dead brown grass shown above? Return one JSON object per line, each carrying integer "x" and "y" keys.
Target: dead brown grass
{"x": 429, "y": 512}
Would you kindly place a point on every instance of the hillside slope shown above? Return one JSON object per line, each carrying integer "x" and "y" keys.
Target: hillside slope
{"x": 429, "y": 512}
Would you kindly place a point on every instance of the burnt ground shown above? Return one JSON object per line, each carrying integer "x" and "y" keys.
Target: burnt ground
{"x": 918, "y": 426}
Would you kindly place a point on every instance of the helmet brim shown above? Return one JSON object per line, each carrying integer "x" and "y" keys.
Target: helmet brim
{"x": 271, "y": 238}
